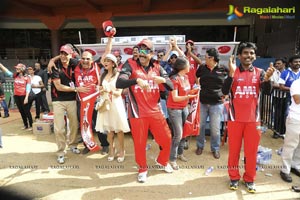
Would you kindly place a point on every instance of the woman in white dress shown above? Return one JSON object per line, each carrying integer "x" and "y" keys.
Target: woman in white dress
{"x": 113, "y": 120}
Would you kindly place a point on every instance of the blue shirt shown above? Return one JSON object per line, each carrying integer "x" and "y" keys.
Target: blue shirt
{"x": 287, "y": 77}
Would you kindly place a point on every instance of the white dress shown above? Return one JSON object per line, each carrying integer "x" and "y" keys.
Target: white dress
{"x": 115, "y": 118}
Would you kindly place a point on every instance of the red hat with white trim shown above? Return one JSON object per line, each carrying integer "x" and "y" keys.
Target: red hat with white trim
{"x": 108, "y": 28}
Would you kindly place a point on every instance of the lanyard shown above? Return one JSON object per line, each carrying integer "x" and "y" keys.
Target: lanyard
{"x": 66, "y": 73}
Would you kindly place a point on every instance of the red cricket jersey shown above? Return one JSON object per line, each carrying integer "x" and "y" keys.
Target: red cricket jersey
{"x": 87, "y": 77}
{"x": 20, "y": 84}
{"x": 192, "y": 73}
{"x": 245, "y": 92}
{"x": 144, "y": 103}
{"x": 182, "y": 85}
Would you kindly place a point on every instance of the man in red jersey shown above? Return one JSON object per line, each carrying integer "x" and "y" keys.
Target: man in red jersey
{"x": 87, "y": 74}
{"x": 142, "y": 77}
{"x": 243, "y": 85}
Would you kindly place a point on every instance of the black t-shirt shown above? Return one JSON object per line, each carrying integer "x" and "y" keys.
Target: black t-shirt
{"x": 66, "y": 76}
{"x": 211, "y": 83}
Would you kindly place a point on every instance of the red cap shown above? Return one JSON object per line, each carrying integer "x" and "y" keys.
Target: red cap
{"x": 91, "y": 51}
{"x": 20, "y": 66}
{"x": 67, "y": 49}
{"x": 190, "y": 41}
{"x": 148, "y": 43}
{"x": 108, "y": 28}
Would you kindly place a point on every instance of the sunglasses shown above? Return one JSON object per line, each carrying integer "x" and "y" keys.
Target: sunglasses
{"x": 172, "y": 57}
{"x": 144, "y": 51}
{"x": 160, "y": 55}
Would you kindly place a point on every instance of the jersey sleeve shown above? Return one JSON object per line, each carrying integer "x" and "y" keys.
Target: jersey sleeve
{"x": 124, "y": 80}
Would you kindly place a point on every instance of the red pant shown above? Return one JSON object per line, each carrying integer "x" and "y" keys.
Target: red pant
{"x": 237, "y": 131}
{"x": 161, "y": 133}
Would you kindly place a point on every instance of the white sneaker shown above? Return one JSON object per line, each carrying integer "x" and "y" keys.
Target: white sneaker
{"x": 168, "y": 168}
{"x": 142, "y": 177}
{"x": 61, "y": 159}
{"x": 75, "y": 150}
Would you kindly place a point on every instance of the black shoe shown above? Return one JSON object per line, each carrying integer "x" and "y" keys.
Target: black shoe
{"x": 275, "y": 135}
{"x": 295, "y": 171}
{"x": 104, "y": 150}
{"x": 216, "y": 154}
{"x": 199, "y": 151}
{"x": 186, "y": 145}
{"x": 250, "y": 187}
{"x": 234, "y": 184}
{"x": 85, "y": 150}
{"x": 6, "y": 115}
{"x": 296, "y": 188}
{"x": 286, "y": 177}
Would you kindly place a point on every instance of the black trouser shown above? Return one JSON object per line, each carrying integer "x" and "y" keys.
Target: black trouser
{"x": 280, "y": 105}
{"x": 44, "y": 102}
{"x": 24, "y": 110}
{"x": 38, "y": 99}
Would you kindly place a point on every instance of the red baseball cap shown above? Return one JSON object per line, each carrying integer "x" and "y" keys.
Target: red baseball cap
{"x": 20, "y": 66}
{"x": 148, "y": 43}
{"x": 190, "y": 41}
{"x": 108, "y": 28}
{"x": 67, "y": 49}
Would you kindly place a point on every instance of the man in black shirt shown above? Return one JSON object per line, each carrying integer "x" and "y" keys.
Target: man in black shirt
{"x": 63, "y": 93}
{"x": 212, "y": 77}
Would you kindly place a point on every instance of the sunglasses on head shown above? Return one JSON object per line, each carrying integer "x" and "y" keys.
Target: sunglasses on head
{"x": 144, "y": 51}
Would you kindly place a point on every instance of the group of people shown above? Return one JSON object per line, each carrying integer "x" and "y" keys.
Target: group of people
{"x": 141, "y": 81}
{"x": 30, "y": 84}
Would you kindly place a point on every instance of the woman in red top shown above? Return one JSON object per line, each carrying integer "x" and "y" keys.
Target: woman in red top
{"x": 22, "y": 87}
{"x": 177, "y": 108}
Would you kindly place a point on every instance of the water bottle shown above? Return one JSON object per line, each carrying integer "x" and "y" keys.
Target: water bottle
{"x": 148, "y": 146}
{"x": 209, "y": 170}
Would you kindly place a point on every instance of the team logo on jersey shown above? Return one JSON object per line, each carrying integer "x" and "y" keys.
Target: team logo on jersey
{"x": 245, "y": 92}
{"x": 254, "y": 80}
{"x": 85, "y": 78}
{"x": 152, "y": 87}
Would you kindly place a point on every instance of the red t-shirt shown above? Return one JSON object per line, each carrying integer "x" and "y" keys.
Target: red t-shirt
{"x": 192, "y": 73}
{"x": 181, "y": 84}
{"x": 245, "y": 92}
{"x": 87, "y": 77}
{"x": 20, "y": 83}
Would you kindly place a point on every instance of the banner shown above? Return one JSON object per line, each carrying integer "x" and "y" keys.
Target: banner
{"x": 226, "y": 49}
{"x": 191, "y": 126}
{"x": 86, "y": 112}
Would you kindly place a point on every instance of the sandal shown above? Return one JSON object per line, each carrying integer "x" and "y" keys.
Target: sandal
{"x": 121, "y": 158}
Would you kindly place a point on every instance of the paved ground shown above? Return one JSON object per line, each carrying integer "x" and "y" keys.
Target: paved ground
{"x": 28, "y": 167}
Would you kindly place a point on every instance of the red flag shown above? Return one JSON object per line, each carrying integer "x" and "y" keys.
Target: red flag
{"x": 192, "y": 123}
{"x": 86, "y": 112}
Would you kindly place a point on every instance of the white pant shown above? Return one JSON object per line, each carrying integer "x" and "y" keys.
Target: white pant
{"x": 291, "y": 147}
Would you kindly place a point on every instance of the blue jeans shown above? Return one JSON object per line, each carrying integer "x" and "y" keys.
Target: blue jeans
{"x": 0, "y": 137}
{"x": 4, "y": 106}
{"x": 214, "y": 112}
{"x": 177, "y": 118}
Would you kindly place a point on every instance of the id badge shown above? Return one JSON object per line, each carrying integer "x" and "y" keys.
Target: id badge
{"x": 72, "y": 85}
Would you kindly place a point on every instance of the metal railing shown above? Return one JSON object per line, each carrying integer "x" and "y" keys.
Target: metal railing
{"x": 274, "y": 110}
